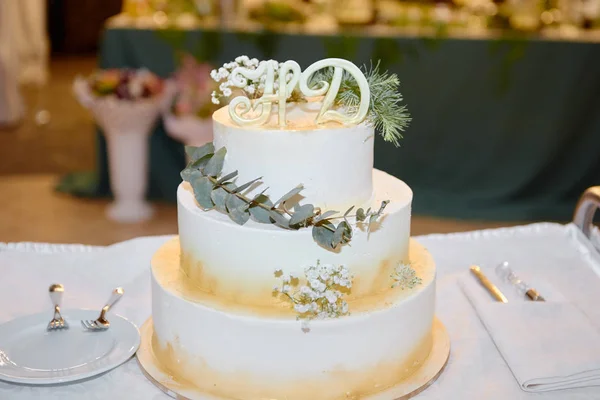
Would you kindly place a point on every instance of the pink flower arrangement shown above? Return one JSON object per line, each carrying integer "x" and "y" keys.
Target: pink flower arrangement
{"x": 126, "y": 84}
{"x": 193, "y": 86}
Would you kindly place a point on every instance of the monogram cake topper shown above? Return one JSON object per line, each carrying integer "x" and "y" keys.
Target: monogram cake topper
{"x": 348, "y": 94}
{"x": 277, "y": 82}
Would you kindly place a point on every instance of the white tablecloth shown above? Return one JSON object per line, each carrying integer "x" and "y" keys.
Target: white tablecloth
{"x": 475, "y": 369}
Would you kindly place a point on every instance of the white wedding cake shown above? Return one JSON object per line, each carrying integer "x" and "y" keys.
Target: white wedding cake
{"x": 319, "y": 295}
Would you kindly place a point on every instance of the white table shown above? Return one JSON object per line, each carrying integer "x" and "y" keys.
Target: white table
{"x": 551, "y": 252}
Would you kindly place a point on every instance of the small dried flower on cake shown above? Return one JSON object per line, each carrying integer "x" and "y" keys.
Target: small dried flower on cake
{"x": 322, "y": 294}
{"x": 405, "y": 277}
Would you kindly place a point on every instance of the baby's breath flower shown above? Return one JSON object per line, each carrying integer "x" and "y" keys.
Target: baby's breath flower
{"x": 241, "y": 59}
{"x": 214, "y": 98}
{"x": 223, "y": 72}
{"x": 321, "y": 296}
{"x": 405, "y": 277}
{"x": 331, "y": 297}
{"x": 344, "y": 307}
{"x": 302, "y": 308}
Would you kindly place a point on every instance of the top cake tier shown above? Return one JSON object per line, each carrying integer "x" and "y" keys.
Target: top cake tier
{"x": 333, "y": 162}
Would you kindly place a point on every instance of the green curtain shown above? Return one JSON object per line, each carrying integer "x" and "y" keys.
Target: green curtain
{"x": 502, "y": 129}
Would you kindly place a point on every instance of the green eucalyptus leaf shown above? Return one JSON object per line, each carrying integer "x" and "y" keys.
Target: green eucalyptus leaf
{"x": 326, "y": 215}
{"x": 195, "y": 153}
{"x": 322, "y": 233}
{"x": 279, "y": 219}
{"x": 232, "y": 201}
{"x": 201, "y": 162}
{"x": 360, "y": 215}
{"x": 338, "y": 236}
{"x": 239, "y": 215}
{"x": 215, "y": 164}
{"x": 382, "y": 207}
{"x": 261, "y": 215}
{"x": 230, "y": 185}
{"x": 368, "y": 212}
{"x": 258, "y": 213}
{"x": 302, "y": 214}
{"x": 262, "y": 198}
{"x": 202, "y": 191}
{"x": 347, "y": 232}
{"x": 246, "y": 185}
{"x": 348, "y": 211}
{"x": 289, "y": 194}
{"x": 237, "y": 209}
{"x": 219, "y": 196}
{"x": 227, "y": 177}
{"x": 342, "y": 234}
{"x": 189, "y": 174}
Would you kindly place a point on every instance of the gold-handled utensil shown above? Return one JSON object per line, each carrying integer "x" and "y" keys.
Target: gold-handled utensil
{"x": 494, "y": 291}
{"x": 102, "y": 324}
{"x": 58, "y": 322}
{"x": 505, "y": 272}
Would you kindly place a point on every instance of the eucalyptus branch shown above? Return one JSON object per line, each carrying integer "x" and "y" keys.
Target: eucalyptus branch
{"x": 239, "y": 195}
{"x": 213, "y": 191}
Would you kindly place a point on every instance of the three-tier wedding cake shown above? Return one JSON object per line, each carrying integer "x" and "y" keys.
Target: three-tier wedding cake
{"x": 294, "y": 275}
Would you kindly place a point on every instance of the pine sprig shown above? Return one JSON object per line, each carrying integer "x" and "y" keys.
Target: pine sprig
{"x": 213, "y": 191}
{"x": 386, "y": 114}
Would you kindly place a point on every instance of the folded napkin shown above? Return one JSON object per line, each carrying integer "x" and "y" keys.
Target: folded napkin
{"x": 547, "y": 345}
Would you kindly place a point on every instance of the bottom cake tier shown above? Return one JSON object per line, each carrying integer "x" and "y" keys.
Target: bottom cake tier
{"x": 230, "y": 354}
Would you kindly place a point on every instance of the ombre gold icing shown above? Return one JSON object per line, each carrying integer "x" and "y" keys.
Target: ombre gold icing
{"x": 337, "y": 384}
{"x": 181, "y": 274}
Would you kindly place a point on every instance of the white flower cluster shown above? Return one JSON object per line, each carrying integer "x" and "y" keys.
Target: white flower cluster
{"x": 253, "y": 88}
{"x": 322, "y": 295}
{"x": 405, "y": 277}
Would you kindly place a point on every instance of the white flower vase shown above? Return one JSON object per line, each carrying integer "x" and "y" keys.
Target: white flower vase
{"x": 127, "y": 126}
{"x": 189, "y": 130}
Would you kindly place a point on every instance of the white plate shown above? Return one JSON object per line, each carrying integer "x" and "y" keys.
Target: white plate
{"x": 35, "y": 356}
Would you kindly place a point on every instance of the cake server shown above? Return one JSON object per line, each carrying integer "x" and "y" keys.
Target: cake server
{"x": 102, "y": 324}
{"x": 494, "y": 291}
{"x": 58, "y": 322}
{"x": 505, "y": 272}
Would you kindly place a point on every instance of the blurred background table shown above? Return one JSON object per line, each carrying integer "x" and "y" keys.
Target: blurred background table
{"x": 503, "y": 127}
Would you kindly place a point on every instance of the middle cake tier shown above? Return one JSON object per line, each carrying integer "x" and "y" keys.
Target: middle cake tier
{"x": 235, "y": 265}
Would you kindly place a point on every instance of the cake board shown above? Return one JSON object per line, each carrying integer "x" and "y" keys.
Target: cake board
{"x": 420, "y": 380}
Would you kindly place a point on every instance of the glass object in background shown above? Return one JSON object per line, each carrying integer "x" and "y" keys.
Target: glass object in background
{"x": 506, "y": 273}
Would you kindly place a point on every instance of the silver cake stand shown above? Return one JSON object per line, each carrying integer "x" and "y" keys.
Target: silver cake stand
{"x": 408, "y": 388}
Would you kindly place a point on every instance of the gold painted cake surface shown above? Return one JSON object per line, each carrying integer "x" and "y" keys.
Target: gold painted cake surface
{"x": 335, "y": 384}
{"x": 172, "y": 269}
